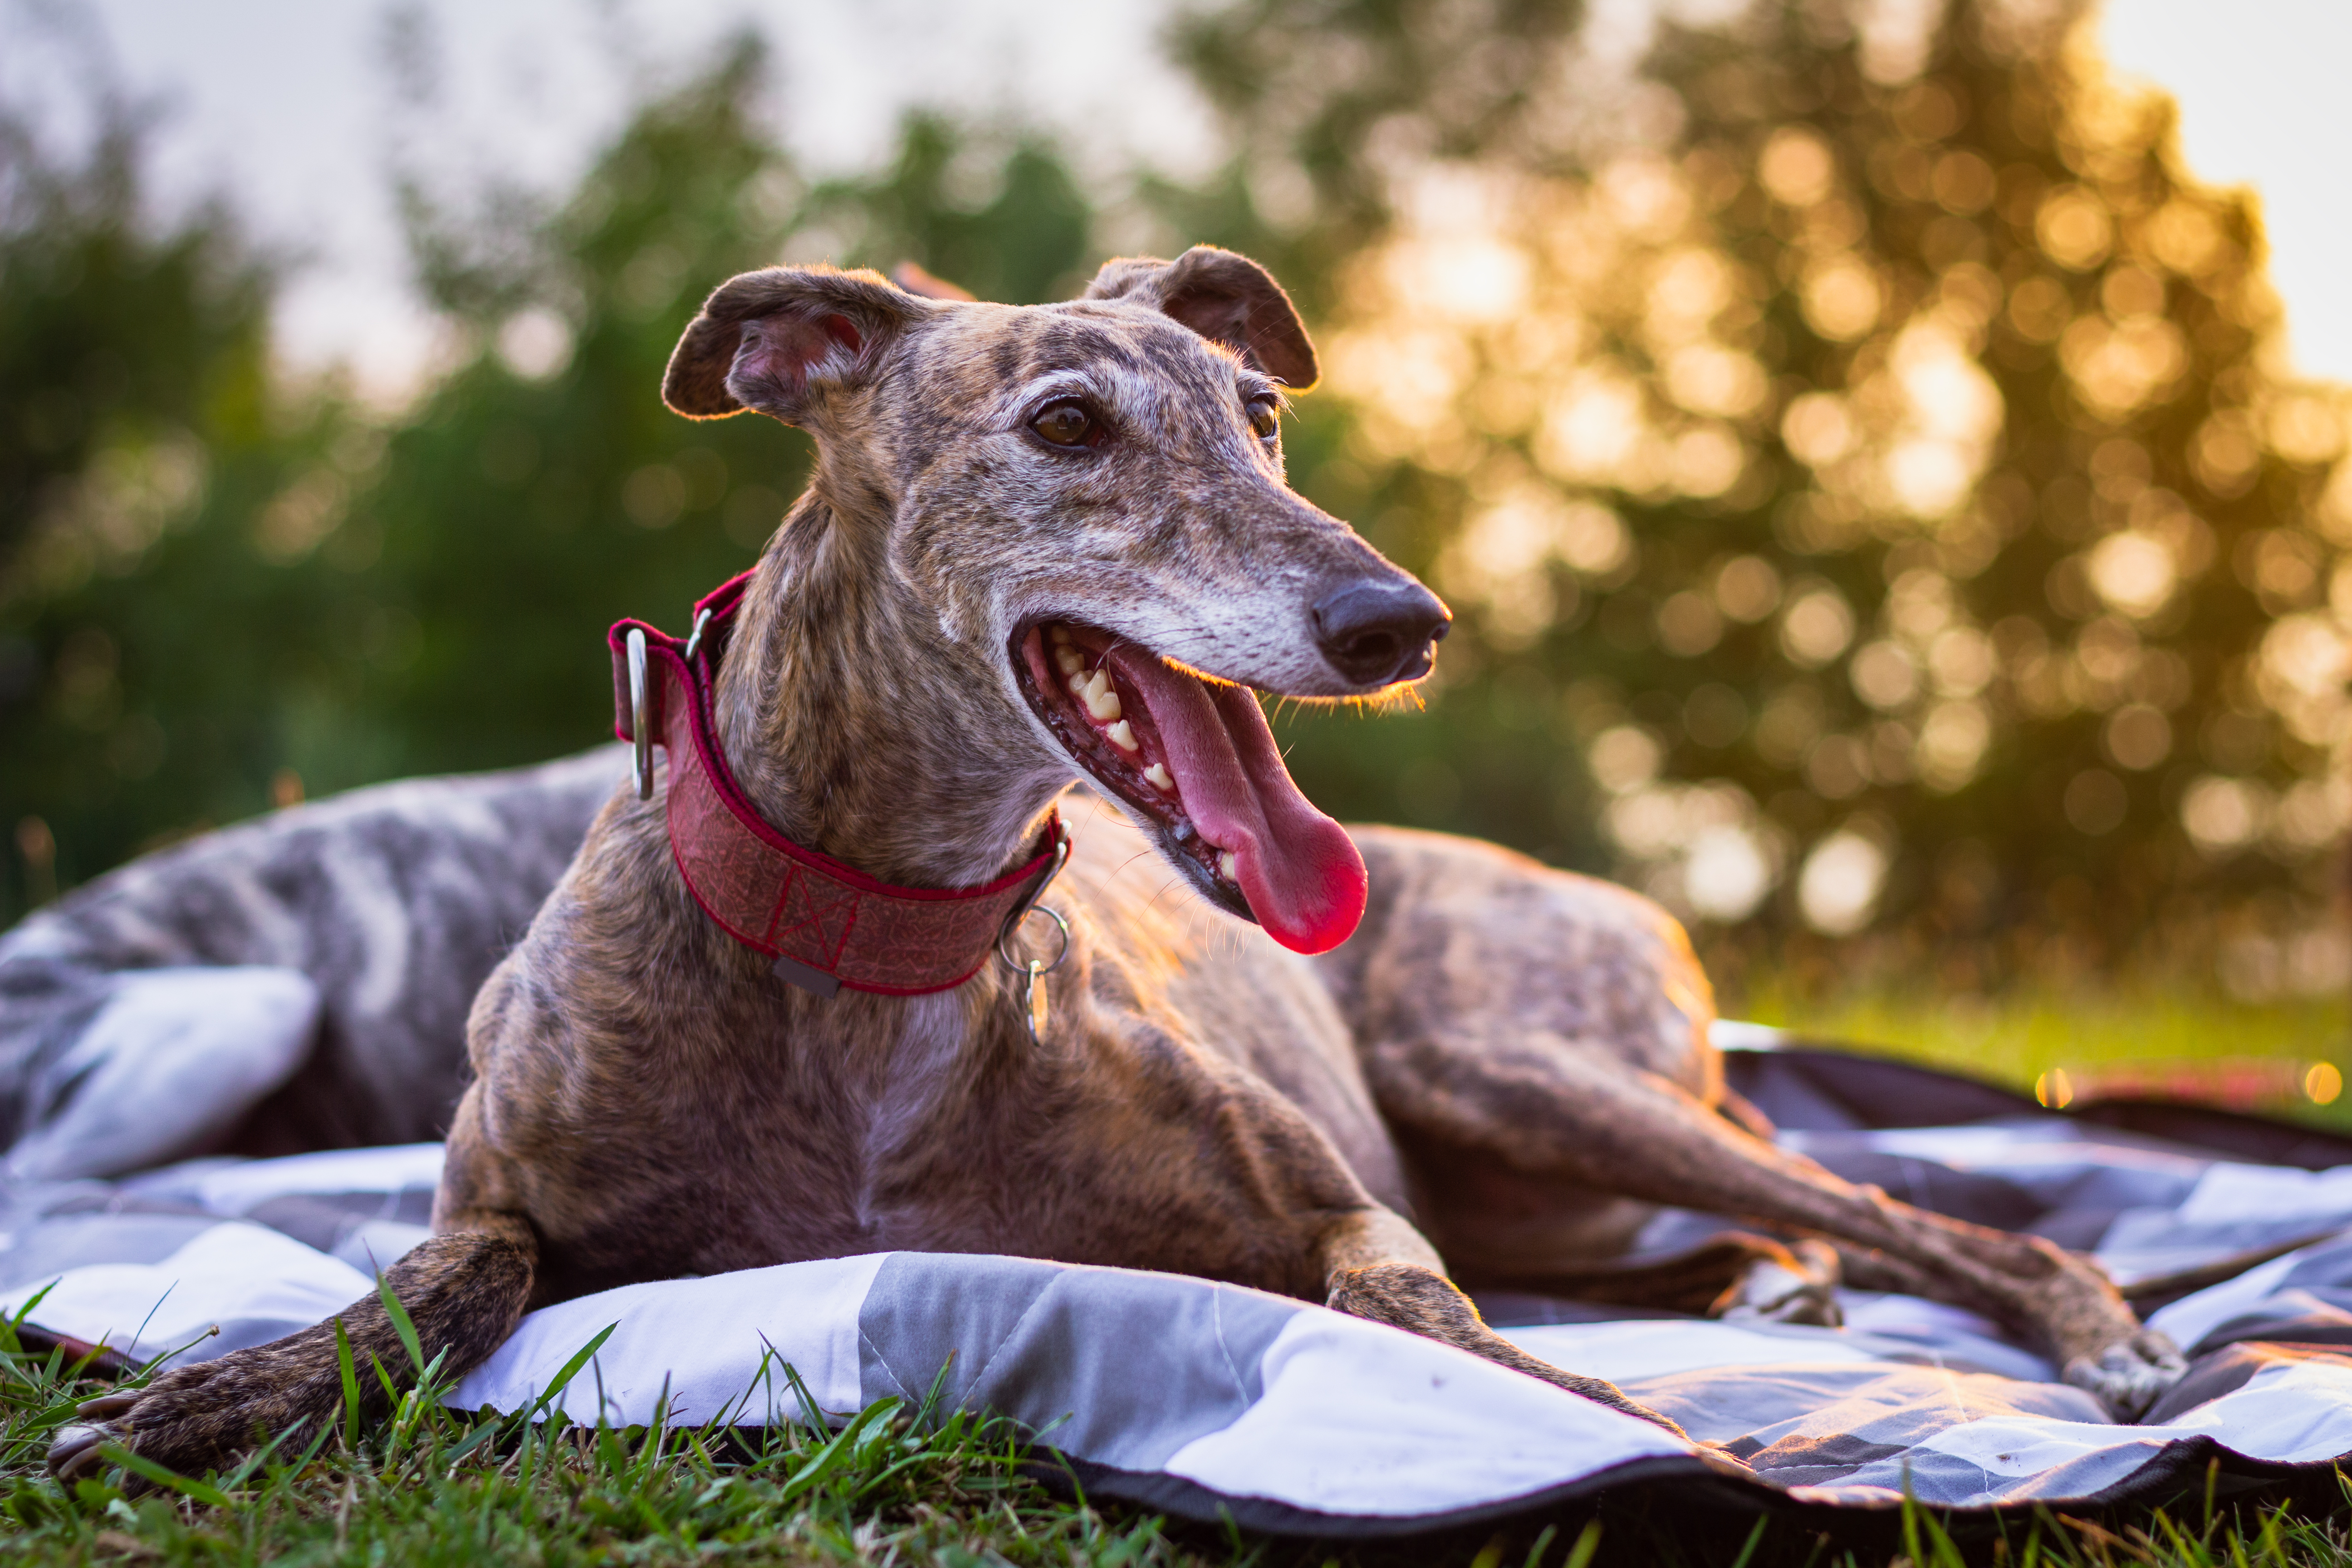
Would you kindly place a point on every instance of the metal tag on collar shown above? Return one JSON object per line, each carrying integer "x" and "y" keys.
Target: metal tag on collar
{"x": 1036, "y": 1002}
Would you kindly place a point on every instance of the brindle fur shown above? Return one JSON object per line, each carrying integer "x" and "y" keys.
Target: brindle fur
{"x": 1505, "y": 1065}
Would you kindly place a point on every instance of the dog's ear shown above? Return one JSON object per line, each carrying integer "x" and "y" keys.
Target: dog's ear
{"x": 1226, "y": 297}
{"x": 772, "y": 340}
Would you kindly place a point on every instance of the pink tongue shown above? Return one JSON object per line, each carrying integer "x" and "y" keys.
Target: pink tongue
{"x": 1298, "y": 868}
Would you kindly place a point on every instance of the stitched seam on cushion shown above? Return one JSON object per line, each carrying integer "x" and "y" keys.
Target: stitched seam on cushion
{"x": 1217, "y": 1317}
{"x": 883, "y": 1361}
{"x": 980, "y": 1375}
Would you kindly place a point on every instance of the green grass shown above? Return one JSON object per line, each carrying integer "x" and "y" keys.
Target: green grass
{"x": 431, "y": 1485}
{"x": 900, "y": 1485}
{"x": 2018, "y": 1038}
{"x": 921, "y": 1485}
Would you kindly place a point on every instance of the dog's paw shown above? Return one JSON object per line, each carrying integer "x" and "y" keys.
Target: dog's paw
{"x": 1800, "y": 1287}
{"x": 74, "y": 1447}
{"x": 1602, "y": 1391}
{"x": 2129, "y": 1377}
{"x": 190, "y": 1420}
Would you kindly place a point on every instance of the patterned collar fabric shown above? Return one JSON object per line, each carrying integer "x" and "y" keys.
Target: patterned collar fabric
{"x": 827, "y": 925}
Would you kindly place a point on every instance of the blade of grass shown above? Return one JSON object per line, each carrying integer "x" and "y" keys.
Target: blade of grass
{"x": 384, "y": 1379}
{"x": 938, "y": 1387}
{"x": 488, "y": 1430}
{"x": 656, "y": 1438}
{"x": 16, "y": 1319}
{"x": 237, "y": 1476}
{"x": 579, "y": 1358}
{"x": 141, "y": 1465}
{"x": 400, "y": 1324}
{"x": 811, "y": 1416}
{"x": 344, "y": 1364}
{"x": 833, "y": 1453}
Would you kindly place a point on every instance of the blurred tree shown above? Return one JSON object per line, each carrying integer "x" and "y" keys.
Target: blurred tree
{"x": 140, "y": 655}
{"x": 998, "y": 214}
{"x": 541, "y": 490}
{"x": 1864, "y": 456}
{"x": 1875, "y": 521}
{"x": 218, "y": 588}
{"x": 1336, "y": 103}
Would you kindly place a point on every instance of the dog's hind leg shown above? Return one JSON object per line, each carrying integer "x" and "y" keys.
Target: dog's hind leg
{"x": 463, "y": 1291}
{"x": 1533, "y": 1035}
{"x": 1549, "y": 1107}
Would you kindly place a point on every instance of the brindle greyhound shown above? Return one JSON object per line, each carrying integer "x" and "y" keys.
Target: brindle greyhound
{"x": 1043, "y": 542}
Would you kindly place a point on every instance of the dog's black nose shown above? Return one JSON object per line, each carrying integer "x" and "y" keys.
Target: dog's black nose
{"x": 1374, "y": 633}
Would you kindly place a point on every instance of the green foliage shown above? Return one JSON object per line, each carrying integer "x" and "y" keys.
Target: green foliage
{"x": 540, "y": 491}
{"x": 226, "y": 590}
{"x": 1331, "y": 101}
{"x": 1004, "y": 220}
{"x": 1849, "y": 475}
{"x": 1839, "y": 455}
{"x": 139, "y": 431}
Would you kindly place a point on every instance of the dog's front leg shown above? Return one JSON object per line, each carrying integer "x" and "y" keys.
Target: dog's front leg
{"x": 463, "y": 1290}
{"x": 1379, "y": 1267}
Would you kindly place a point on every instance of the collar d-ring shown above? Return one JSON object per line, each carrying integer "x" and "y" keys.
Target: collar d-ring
{"x": 1012, "y": 927}
{"x": 1020, "y": 911}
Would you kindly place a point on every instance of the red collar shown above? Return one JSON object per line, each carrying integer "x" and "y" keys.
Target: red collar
{"x": 827, "y": 925}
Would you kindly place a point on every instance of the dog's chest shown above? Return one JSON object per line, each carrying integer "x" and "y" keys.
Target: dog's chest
{"x": 875, "y": 1147}
{"x": 893, "y": 1105}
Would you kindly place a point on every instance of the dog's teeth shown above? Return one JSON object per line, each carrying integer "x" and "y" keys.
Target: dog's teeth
{"x": 1059, "y": 633}
{"x": 1160, "y": 777}
{"x": 1122, "y": 735}
{"x": 1070, "y": 659}
{"x": 1096, "y": 691}
{"x": 1226, "y": 864}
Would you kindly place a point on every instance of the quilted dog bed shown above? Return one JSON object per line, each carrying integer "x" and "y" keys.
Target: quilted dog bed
{"x": 1210, "y": 1401}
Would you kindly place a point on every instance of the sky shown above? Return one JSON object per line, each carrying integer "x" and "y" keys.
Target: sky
{"x": 288, "y": 107}
{"x": 2262, "y": 103}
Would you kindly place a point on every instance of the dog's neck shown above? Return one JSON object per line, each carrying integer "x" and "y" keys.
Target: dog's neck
{"x": 857, "y": 730}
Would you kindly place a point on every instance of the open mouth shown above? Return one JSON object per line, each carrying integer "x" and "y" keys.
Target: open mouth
{"x": 1195, "y": 760}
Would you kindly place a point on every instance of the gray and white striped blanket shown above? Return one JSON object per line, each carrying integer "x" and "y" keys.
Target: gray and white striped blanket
{"x": 1206, "y": 1399}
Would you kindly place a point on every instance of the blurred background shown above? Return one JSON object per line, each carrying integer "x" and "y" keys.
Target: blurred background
{"x": 1893, "y": 488}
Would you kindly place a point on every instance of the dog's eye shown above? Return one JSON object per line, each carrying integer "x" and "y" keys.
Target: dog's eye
{"x": 1065, "y": 424}
{"x": 1264, "y": 417}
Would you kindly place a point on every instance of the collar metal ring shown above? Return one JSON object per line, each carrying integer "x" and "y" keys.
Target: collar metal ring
{"x": 1007, "y": 959}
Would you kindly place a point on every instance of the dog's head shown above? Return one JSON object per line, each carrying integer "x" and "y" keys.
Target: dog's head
{"x": 1089, "y": 500}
